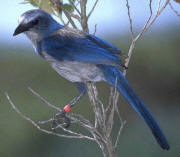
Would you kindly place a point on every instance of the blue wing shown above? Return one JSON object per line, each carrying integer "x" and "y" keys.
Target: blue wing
{"x": 71, "y": 45}
{"x": 105, "y": 44}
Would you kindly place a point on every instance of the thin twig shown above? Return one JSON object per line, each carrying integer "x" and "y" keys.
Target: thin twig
{"x": 119, "y": 133}
{"x": 79, "y": 136}
{"x": 158, "y": 12}
{"x": 84, "y": 122}
{"x": 110, "y": 99}
{"x": 174, "y": 10}
{"x": 120, "y": 128}
{"x": 75, "y": 7}
{"x": 147, "y": 22}
{"x": 102, "y": 126}
{"x": 84, "y": 19}
{"x": 44, "y": 100}
{"x": 93, "y": 103}
{"x": 58, "y": 4}
{"x": 130, "y": 20}
{"x": 95, "y": 29}
{"x": 145, "y": 28}
{"x": 159, "y": 5}
{"x": 92, "y": 10}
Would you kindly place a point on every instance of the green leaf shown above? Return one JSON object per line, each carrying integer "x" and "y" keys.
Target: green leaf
{"x": 68, "y": 7}
{"x": 44, "y": 5}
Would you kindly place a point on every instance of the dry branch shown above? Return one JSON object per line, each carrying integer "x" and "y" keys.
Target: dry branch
{"x": 147, "y": 25}
{"x": 101, "y": 129}
{"x": 174, "y": 10}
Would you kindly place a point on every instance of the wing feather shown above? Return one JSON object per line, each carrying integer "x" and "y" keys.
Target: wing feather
{"x": 72, "y": 45}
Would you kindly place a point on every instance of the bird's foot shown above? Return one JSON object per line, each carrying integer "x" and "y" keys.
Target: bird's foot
{"x": 60, "y": 119}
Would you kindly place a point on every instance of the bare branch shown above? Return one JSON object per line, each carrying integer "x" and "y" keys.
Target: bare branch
{"x": 44, "y": 100}
{"x": 144, "y": 29}
{"x": 146, "y": 24}
{"x": 101, "y": 128}
{"x": 58, "y": 4}
{"x": 119, "y": 133}
{"x": 120, "y": 128}
{"x": 158, "y": 12}
{"x": 92, "y": 92}
{"x": 130, "y": 19}
{"x": 84, "y": 19}
{"x": 60, "y": 17}
{"x": 110, "y": 99}
{"x": 75, "y": 7}
{"x": 76, "y": 17}
{"x": 79, "y": 136}
{"x": 129, "y": 56}
{"x": 159, "y": 5}
{"x": 174, "y": 10}
{"x": 94, "y": 6}
{"x": 95, "y": 29}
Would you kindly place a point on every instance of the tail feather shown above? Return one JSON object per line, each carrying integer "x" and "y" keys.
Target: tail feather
{"x": 112, "y": 73}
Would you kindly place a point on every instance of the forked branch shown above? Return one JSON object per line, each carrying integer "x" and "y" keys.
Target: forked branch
{"x": 99, "y": 130}
{"x": 147, "y": 25}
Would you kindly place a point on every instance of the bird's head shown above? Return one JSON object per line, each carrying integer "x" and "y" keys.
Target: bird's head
{"x": 36, "y": 22}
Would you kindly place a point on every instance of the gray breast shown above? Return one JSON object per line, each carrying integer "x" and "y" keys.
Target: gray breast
{"x": 76, "y": 71}
{"x": 72, "y": 71}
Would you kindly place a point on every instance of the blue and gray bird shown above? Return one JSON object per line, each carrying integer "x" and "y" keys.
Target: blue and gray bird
{"x": 80, "y": 58}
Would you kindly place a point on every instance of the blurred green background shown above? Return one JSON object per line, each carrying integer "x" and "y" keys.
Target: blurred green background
{"x": 154, "y": 72}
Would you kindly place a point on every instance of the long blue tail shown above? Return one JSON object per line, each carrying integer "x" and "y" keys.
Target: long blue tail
{"x": 112, "y": 74}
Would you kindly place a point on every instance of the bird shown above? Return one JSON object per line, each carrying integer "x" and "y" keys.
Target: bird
{"x": 81, "y": 57}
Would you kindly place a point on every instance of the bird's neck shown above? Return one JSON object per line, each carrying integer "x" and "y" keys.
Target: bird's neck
{"x": 36, "y": 37}
{"x": 54, "y": 27}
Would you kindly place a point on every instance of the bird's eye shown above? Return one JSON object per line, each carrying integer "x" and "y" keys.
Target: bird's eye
{"x": 35, "y": 22}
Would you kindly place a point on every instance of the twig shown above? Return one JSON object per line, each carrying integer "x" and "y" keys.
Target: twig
{"x": 120, "y": 128}
{"x": 130, "y": 19}
{"x": 44, "y": 100}
{"x": 174, "y": 10}
{"x": 102, "y": 127}
{"x": 75, "y": 7}
{"x": 84, "y": 19}
{"x": 111, "y": 95}
{"x": 95, "y": 29}
{"x": 92, "y": 92}
{"x": 110, "y": 121}
{"x": 158, "y": 12}
{"x": 144, "y": 29}
{"x": 79, "y": 136}
{"x": 94, "y": 6}
{"x": 147, "y": 22}
{"x": 159, "y": 5}
{"x": 58, "y": 4}
{"x": 63, "y": 22}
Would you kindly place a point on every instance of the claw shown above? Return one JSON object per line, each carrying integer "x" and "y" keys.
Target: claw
{"x": 60, "y": 119}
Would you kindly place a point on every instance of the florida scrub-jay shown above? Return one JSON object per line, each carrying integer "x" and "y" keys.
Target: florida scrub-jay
{"x": 81, "y": 57}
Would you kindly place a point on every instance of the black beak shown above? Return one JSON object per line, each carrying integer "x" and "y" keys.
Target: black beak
{"x": 20, "y": 29}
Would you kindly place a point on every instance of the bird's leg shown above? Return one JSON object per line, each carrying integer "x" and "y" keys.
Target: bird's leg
{"x": 61, "y": 117}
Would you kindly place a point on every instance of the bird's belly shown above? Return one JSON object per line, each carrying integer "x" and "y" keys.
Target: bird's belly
{"x": 78, "y": 72}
